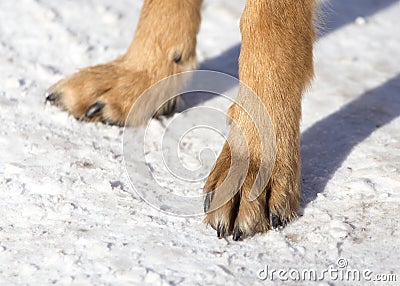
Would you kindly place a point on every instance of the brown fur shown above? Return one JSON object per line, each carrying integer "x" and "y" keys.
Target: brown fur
{"x": 275, "y": 62}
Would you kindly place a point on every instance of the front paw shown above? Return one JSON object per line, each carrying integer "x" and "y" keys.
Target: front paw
{"x": 229, "y": 208}
{"x": 103, "y": 93}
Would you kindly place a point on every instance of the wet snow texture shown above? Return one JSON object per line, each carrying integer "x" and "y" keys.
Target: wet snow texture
{"x": 68, "y": 214}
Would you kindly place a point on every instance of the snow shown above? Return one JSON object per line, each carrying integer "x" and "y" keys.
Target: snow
{"x": 69, "y": 215}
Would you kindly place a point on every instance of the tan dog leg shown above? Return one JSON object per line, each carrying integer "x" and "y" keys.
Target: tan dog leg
{"x": 276, "y": 63}
{"x": 164, "y": 44}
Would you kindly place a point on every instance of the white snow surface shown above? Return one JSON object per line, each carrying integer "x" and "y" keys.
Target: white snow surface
{"x": 69, "y": 216}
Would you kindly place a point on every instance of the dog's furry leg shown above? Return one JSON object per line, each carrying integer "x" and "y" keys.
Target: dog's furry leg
{"x": 276, "y": 63}
{"x": 164, "y": 44}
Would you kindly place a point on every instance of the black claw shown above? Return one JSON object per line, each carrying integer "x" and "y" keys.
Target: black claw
{"x": 219, "y": 232}
{"x": 275, "y": 221}
{"x": 207, "y": 202}
{"x": 177, "y": 58}
{"x": 237, "y": 234}
{"x": 52, "y": 97}
{"x": 94, "y": 109}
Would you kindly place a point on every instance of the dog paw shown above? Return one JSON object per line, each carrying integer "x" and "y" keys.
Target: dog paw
{"x": 103, "y": 93}
{"x": 229, "y": 208}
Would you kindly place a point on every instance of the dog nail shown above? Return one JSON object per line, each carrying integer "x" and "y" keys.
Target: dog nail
{"x": 275, "y": 221}
{"x": 207, "y": 202}
{"x": 177, "y": 58}
{"x": 52, "y": 97}
{"x": 94, "y": 109}
{"x": 219, "y": 232}
{"x": 237, "y": 234}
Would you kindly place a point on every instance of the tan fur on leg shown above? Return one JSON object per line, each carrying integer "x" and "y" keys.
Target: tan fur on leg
{"x": 276, "y": 63}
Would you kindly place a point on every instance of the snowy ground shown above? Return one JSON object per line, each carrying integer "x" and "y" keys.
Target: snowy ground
{"x": 69, "y": 216}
